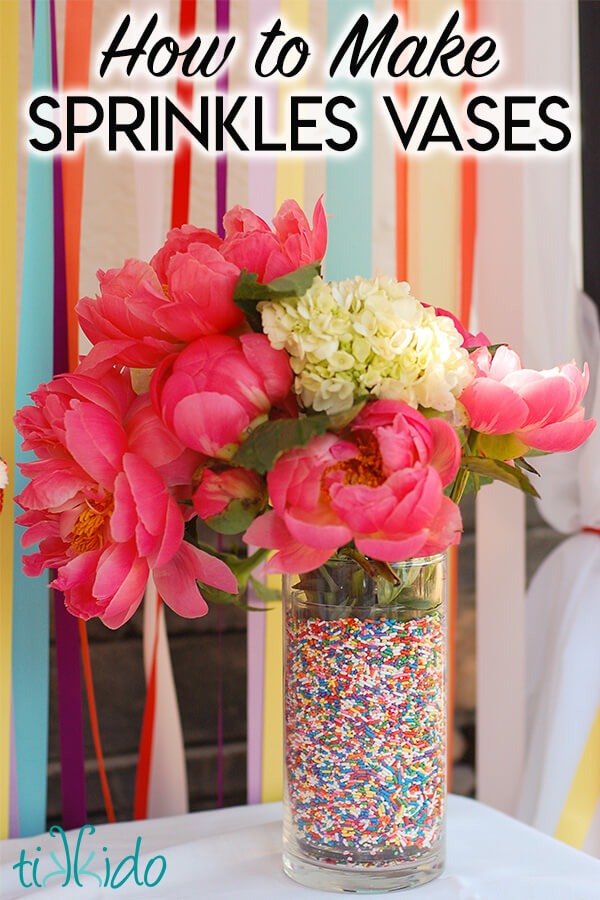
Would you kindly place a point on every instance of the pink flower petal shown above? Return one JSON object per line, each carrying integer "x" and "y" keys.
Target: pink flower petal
{"x": 560, "y": 436}
{"x": 318, "y": 531}
{"x": 171, "y": 537}
{"x": 114, "y": 565}
{"x": 97, "y": 442}
{"x": 178, "y": 240}
{"x": 51, "y": 489}
{"x": 241, "y": 220}
{"x": 295, "y": 559}
{"x": 550, "y": 399}
{"x": 208, "y": 422}
{"x": 493, "y": 408}
{"x": 446, "y": 452}
{"x": 273, "y": 365}
{"x": 251, "y": 251}
{"x": 391, "y": 549}
{"x": 124, "y": 517}
{"x": 176, "y": 581}
{"x": 268, "y": 530}
{"x": 149, "y": 437}
{"x": 43, "y": 529}
{"x": 77, "y": 571}
{"x": 363, "y": 508}
{"x": 419, "y": 494}
{"x": 148, "y": 491}
{"x": 105, "y": 354}
{"x": 128, "y": 597}
{"x": 445, "y": 530}
{"x": 505, "y": 362}
{"x": 144, "y": 541}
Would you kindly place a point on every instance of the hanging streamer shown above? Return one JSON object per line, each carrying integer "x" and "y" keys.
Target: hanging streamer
{"x": 255, "y": 693}
{"x": 468, "y": 198}
{"x": 183, "y": 154}
{"x": 468, "y": 211}
{"x": 30, "y": 654}
{"x": 87, "y": 673}
{"x": 262, "y": 171}
{"x": 222, "y": 23}
{"x": 584, "y": 793}
{"x": 289, "y": 183}
{"x": 68, "y": 667}
{"x": 142, "y": 780}
{"x": 78, "y": 37}
{"x": 261, "y": 199}
{"x": 350, "y": 236}
{"x": 9, "y": 31}
{"x": 401, "y": 167}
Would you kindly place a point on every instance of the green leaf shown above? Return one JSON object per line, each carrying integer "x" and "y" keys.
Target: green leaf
{"x": 499, "y": 471}
{"x": 249, "y": 292}
{"x": 522, "y": 463}
{"x": 501, "y": 446}
{"x": 533, "y": 452}
{"x": 271, "y": 439}
{"x": 214, "y": 595}
{"x": 491, "y": 347}
{"x": 263, "y": 592}
{"x": 238, "y": 515}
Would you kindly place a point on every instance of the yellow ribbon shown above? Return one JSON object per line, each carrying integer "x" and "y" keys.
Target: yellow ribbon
{"x": 289, "y": 184}
{"x": 9, "y": 28}
{"x": 584, "y": 793}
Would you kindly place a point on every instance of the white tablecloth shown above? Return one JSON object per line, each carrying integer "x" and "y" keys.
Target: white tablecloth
{"x": 234, "y": 853}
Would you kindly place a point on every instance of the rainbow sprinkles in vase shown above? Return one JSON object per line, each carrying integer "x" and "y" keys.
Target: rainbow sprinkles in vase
{"x": 335, "y": 427}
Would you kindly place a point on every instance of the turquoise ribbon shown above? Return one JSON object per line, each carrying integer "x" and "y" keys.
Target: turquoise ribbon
{"x": 30, "y": 644}
{"x": 349, "y": 174}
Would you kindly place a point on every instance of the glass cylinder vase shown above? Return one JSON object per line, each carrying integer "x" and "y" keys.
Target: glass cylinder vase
{"x": 365, "y": 725}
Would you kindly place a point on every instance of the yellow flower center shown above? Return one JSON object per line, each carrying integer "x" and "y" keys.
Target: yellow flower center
{"x": 88, "y": 531}
{"x": 365, "y": 468}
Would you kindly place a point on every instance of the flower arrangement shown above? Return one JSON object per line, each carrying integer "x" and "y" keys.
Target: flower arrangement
{"x": 229, "y": 384}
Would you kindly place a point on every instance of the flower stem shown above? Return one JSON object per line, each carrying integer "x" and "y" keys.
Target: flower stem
{"x": 460, "y": 484}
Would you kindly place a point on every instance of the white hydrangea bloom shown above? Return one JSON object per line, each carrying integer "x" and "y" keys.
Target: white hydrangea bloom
{"x": 362, "y": 336}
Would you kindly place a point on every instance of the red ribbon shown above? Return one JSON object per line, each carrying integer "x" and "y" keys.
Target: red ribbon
{"x": 182, "y": 167}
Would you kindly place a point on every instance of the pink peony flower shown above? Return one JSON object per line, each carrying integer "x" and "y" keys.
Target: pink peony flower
{"x": 230, "y": 499}
{"x": 250, "y": 243}
{"x": 218, "y": 389}
{"x": 382, "y": 488}
{"x": 541, "y": 409}
{"x": 179, "y": 241}
{"x": 145, "y": 312}
{"x": 101, "y": 511}
{"x": 120, "y": 320}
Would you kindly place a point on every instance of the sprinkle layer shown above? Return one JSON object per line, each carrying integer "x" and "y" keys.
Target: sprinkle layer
{"x": 365, "y": 735}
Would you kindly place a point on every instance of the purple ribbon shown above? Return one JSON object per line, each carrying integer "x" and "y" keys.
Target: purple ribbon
{"x": 68, "y": 663}
{"x": 222, "y": 22}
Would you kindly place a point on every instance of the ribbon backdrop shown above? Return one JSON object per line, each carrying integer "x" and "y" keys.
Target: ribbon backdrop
{"x": 425, "y": 219}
